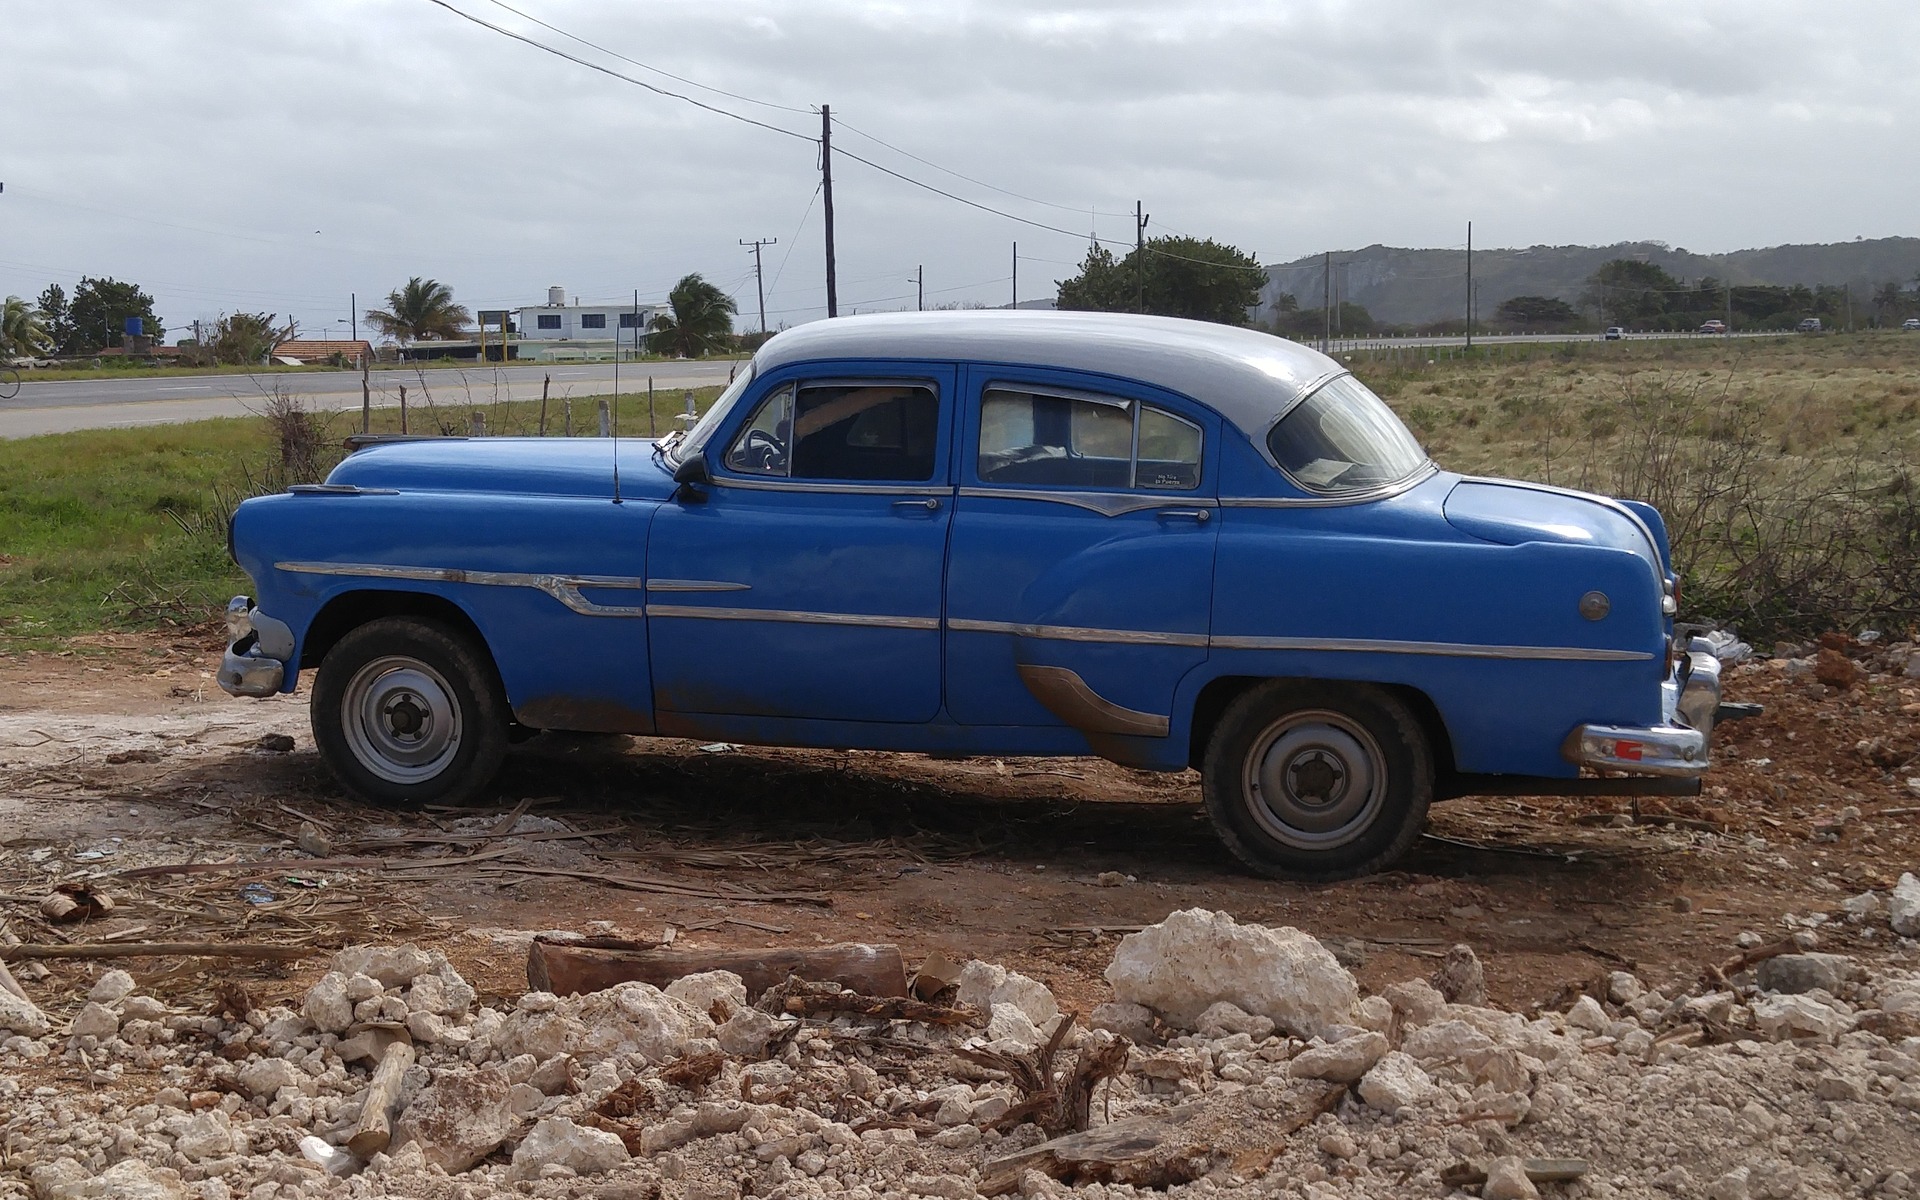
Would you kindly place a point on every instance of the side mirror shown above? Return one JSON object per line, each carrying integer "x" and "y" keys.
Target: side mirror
{"x": 691, "y": 475}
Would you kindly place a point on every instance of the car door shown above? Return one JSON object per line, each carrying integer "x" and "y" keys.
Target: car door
{"x": 805, "y": 581}
{"x": 1080, "y": 575}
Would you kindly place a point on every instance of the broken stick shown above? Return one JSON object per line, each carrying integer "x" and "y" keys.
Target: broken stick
{"x": 804, "y": 998}
{"x": 374, "y": 1132}
{"x": 566, "y": 969}
{"x": 159, "y": 950}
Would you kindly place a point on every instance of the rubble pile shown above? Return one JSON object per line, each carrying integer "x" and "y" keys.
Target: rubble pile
{"x": 1235, "y": 1058}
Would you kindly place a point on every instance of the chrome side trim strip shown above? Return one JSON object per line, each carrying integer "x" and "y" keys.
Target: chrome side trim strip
{"x": 1068, "y": 697}
{"x": 1108, "y": 504}
{"x": 848, "y": 489}
{"x": 1074, "y": 633}
{"x": 564, "y": 588}
{"x": 701, "y": 612}
{"x": 1385, "y": 492}
{"x": 1444, "y": 649}
{"x": 696, "y": 585}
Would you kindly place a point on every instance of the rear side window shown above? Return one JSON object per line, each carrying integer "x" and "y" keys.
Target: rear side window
{"x": 1032, "y": 437}
{"x": 1343, "y": 438}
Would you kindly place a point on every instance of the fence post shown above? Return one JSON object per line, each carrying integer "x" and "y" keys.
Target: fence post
{"x": 479, "y": 424}
{"x": 606, "y": 421}
{"x": 544, "y": 384}
{"x": 652, "y": 429}
{"x": 403, "y": 408}
{"x": 566, "y": 408}
{"x": 366, "y": 400}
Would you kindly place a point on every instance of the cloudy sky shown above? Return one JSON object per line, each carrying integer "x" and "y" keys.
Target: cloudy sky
{"x": 281, "y": 156}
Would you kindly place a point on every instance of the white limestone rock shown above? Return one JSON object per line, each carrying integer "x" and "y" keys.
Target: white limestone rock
{"x": 1507, "y": 1180}
{"x": 267, "y": 1076}
{"x": 699, "y": 992}
{"x": 1780, "y": 1017}
{"x": 1345, "y": 1061}
{"x": 1196, "y": 958}
{"x": 984, "y": 985}
{"x": 556, "y": 1140}
{"x": 111, "y": 988}
{"x": 459, "y": 1118}
{"x": 1417, "y": 1001}
{"x": 327, "y": 1005}
{"x": 637, "y": 1018}
{"x": 1131, "y": 1021}
{"x": 392, "y": 966}
{"x": 1395, "y": 1082}
{"x": 747, "y": 1033}
{"x": 1224, "y": 1019}
{"x": 1903, "y": 906}
{"x": 1587, "y": 1014}
{"x": 22, "y": 1016}
{"x": 96, "y": 1020}
{"x": 1011, "y": 1024}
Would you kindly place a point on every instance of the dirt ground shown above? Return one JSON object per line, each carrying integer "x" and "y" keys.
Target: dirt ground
{"x": 123, "y": 754}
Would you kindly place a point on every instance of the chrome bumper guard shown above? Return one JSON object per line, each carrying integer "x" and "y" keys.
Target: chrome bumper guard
{"x": 1678, "y": 747}
{"x": 258, "y": 651}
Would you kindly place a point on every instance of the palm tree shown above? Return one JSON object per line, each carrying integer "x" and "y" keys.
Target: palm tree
{"x": 422, "y": 310}
{"x": 701, "y": 320}
{"x": 22, "y": 329}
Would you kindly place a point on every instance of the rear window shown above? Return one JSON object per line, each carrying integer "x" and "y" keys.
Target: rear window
{"x": 1342, "y": 439}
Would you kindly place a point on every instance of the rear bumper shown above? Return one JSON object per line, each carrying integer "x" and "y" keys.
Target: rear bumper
{"x": 258, "y": 651}
{"x": 1679, "y": 746}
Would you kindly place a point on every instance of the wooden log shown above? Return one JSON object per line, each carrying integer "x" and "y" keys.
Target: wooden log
{"x": 9, "y": 983}
{"x": 1160, "y": 1152}
{"x": 565, "y": 969}
{"x": 374, "y": 1132}
{"x": 160, "y": 950}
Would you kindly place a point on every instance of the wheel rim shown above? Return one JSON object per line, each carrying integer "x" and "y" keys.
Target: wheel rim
{"x": 400, "y": 719}
{"x": 1315, "y": 780}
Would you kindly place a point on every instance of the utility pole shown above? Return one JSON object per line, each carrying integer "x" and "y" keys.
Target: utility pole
{"x": 353, "y": 314}
{"x": 1729, "y": 333}
{"x": 758, "y": 286}
{"x": 1140, "y": 220}
{"x": 1469, "y": 285}
{"x": 826, "y": 191}
{"x": 920, "y": 286}
{"x": 1326, "y": 304}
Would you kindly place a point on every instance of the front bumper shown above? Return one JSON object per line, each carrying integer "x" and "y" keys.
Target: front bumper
{"x": 259, "y": 650}
{"x": 1680, "y": 745}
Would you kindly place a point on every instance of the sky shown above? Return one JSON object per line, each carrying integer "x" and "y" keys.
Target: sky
{"x": 289, "y": 156}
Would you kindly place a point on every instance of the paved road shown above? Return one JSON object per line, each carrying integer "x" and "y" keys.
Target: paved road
{"x": 58, "y": 407}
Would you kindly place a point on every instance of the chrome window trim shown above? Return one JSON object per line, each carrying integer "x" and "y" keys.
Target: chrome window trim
{"x": 1441, "y": 649}
{"x": 1076, "y": 633}
{"x": 1105, "y": 399}
{"x": 776, "y": 484}
{"x": 1133, "y": 408}
{"x": 696, "y": 585}
{"x": 795, "y": 616}
{"x": 1306, "y": 394}
{"x": 1107, "y": 504}
{"x": 1386, "y": 491}
{"x": 564, "y": 588}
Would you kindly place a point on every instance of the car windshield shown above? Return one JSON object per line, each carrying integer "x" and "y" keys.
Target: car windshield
{"x": 1343, "y": 438}
{"x": 681, "y": 449}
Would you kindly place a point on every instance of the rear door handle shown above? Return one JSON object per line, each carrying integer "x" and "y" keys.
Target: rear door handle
{"x": 1199, "y": 516}
{"x": 929, "y": 503}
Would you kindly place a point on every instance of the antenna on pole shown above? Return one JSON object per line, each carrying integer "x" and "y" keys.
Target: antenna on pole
{"x": 616, "y": 419}
{"x": 1469, "y": 285}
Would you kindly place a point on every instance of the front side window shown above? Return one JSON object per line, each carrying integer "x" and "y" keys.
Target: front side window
{"x": 1084, "y": 441}
{"x": 593, "y": 320}
{"x": 680, "y": 449}
{"x": 1342, "y": 439}
{"x": 886, "y": 432}
{"x": 547, "y": 320}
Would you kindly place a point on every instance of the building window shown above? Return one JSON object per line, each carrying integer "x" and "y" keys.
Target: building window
{"x": 631, "y": 320}
{"x": 593, "y": 320}
{"x": 549, "y": 320}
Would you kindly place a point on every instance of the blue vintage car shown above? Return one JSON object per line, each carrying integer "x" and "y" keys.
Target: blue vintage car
{"x": 1167, "y": 543}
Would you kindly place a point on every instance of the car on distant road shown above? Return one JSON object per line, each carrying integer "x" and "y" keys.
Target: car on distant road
{"x": 1809, "y": 325}
{"x": 1615, "y": 333}
{"x": 1712, "y": 327}
{"x": 1169, "y": 543}
{"x": 1912, "y": 323}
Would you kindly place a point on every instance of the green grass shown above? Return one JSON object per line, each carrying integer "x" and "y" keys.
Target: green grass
{"x": 113, "y": 368}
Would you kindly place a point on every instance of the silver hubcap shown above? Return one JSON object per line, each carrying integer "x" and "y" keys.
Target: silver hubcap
{"x": 400, "y": 719}
{"x": 1315, "y": 779}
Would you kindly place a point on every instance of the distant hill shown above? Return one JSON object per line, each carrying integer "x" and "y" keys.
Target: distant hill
{"x": 1413, "y": 287}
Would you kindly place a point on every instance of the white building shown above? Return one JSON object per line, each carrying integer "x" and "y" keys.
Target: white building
{"x": 560, "y": 329}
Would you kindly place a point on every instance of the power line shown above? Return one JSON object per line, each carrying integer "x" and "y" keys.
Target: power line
{"x": 805, "y": 213}
{"x": 646, "y": 67}
{"x": 593, "y": 66}
{"x": 1073, "y": 208}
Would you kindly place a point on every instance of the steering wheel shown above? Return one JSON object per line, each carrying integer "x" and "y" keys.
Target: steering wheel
{"x": 762, "y": 452}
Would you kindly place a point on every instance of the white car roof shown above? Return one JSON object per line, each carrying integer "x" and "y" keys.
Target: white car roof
{"x": 1246, "y": 376}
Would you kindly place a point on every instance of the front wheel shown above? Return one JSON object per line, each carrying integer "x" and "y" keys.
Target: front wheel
{"x": 407, "y": 712}
{"x": 1318, "y": 781}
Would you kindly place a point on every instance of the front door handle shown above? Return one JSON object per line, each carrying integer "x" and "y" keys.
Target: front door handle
{"x": 1199, "y": 516}
{"x": 929, "y": 503}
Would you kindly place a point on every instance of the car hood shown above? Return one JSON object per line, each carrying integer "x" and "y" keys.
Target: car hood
{"x": 1513, "y": 513}
{"x": 520, "y": 466}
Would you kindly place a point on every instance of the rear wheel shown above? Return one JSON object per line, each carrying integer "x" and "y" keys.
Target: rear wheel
{"x": 408, "y": 712}
{"x": 1318, "y": 781}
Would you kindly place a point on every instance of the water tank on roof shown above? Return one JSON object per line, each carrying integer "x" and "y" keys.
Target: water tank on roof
{"x": 557, "y": 297}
